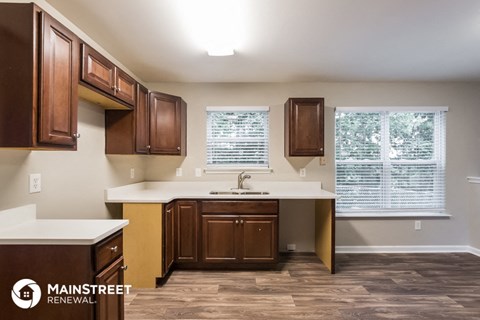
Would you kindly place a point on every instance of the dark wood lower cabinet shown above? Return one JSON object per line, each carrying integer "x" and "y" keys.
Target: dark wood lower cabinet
{"x": 110, "y": 306}
{"x": 220, "y": 241}
{"x": 240, "y": 232}
{"x": 186, "y": 222}
{"x": 64, "y": 266}
{"x": 169, "y": 240}
{"x": 239, "y": 239}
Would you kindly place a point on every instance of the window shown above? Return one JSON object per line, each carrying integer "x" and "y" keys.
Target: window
{"x": 390, "y": 160}
{"x": 237, "y": 136}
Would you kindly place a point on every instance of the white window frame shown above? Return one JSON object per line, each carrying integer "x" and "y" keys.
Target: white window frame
{"x": 399, "y": 212}
{"x": 224, "y": 168}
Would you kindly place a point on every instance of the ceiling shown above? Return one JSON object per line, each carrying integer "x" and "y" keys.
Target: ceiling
{"x": 293, "y": 40}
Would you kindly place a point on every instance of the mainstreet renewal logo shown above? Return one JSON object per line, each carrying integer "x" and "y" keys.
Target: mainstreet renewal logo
{"x": 26, "y": 293}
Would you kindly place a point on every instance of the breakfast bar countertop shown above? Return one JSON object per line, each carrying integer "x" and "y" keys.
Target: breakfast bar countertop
{"x": 20, "y": 226}
{"x": 164, "y": 192}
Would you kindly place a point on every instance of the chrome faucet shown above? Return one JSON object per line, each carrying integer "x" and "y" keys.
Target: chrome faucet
{"x": 241, "y": 178}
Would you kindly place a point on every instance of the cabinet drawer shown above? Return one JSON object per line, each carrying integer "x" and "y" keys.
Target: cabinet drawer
{"x": 108, "y": 250}
{"x": 240, "y": 206}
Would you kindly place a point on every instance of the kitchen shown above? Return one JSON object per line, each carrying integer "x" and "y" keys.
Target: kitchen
{"x": 73, "y": 183}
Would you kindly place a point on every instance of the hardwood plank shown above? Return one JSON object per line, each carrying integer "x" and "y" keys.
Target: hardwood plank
{"x": 366, "y": 286}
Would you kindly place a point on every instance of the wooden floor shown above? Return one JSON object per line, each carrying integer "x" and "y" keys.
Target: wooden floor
{"x": 366, "y": 286}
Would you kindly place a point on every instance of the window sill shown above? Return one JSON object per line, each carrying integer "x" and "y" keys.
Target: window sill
{"x": 393, "y": 215}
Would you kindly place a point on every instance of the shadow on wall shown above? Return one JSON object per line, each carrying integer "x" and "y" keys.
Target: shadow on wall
{"x": 163, "y": 168}
{"x": 299, "y": 162}
{"x": 114, "y": 210}
{"x": 347, "y": 235}
{"x": 11, "y": 178}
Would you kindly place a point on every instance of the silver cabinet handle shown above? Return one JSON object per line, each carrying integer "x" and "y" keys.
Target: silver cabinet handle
{"x": 76, "y": 135}
{"x": 241, "y": 221}
{"x": 178, "y": 148}
{"x": 148, "y": 147}
{"x": 236, "y": 221}
{"x": 114, "y": 249}
{"x": 124, "y": 267}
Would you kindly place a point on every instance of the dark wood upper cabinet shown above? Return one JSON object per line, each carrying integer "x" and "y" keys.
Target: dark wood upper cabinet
{"x": 142, "y": 127}
{"x": 167, "y": 120}
{"x": 304, "y": 127}
{"x": 156, "y": 126}
{"x": 101, "y": 76}
{"x": 39, "y": 63}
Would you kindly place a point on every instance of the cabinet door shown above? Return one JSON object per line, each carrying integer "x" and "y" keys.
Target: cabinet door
{"x": 141, "y": 121}
{"x": 169, "y": 240}
{"x": 220, "y": 238}
{"x": 304, "y": 127}
{"x": 124, "y": 87}
{"x": 186, "y": 231}
{"x": 110, "y": 306}
{"x": 260, "y": 239}
{"x": 59, "y": 85}
{"x": 166, "y": 130}
{"x": 98, "y": 70}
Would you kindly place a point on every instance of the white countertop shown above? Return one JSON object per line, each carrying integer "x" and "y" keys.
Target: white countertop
{"x": 20, "y": 226}
{"x": 166, "y": 191}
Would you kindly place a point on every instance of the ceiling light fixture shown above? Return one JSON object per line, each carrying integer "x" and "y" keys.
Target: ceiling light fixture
{"x": 215, "y": 25}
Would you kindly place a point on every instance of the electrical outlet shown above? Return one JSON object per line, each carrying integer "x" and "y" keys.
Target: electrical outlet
{"x": 323, "y": 161}
{"x": 179, "y": 172}
{"x": 35, "y": 184}
{"x": 198, "y": 172}
{"x": 291, "y": 247}
{"x": 418, "y": 225}
{"x": 132, "y": 173}
{"x": 303, "y": 172}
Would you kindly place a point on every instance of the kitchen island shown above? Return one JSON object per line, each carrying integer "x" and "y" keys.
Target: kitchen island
{"x": 40, "y": 256}
{"x": 166, "y": 221}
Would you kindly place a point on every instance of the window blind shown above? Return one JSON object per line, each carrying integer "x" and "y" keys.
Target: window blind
{"x": 237, "y": 137}
{"x": 390, "y": 160}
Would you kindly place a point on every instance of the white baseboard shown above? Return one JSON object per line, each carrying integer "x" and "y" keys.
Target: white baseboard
{"x": 474, "y": 251}
{"x": 406, "y": 249}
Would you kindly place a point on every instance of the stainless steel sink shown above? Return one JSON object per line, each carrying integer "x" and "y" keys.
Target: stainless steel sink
{"x": 239, "y": 192}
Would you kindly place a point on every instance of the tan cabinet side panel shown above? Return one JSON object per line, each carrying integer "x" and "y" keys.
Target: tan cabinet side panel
{"x": 325, "y": 232}
{"x": 142, "y": 244}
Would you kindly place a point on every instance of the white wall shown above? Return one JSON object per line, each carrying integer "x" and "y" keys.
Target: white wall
{"x": 463, "y": 156}
{"x": 73, "y": 182}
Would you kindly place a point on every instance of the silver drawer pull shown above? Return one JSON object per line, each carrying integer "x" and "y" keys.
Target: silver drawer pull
{"x": 124, "y": 268}
{"x": 114, "y": 249}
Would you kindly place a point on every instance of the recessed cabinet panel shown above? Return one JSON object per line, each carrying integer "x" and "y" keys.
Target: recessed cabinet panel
{"x": 58, "y": 115}
{"x": 125, "y": 87}
{"x": 186, "y": 231}
{"x": 220, "y": 243}
{"x": 304, "y": 127}
{"x": 169, "y": 240}
{"x": 98, "y": 70}
{"x": 142, "y": 127}
{"x": 110, "y": 306}
{"x": 167, "y": 124}
{"x": 259, "y": 239}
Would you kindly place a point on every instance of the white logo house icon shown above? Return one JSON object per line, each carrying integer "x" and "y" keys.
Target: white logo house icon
{"x": 26, "y": 293}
